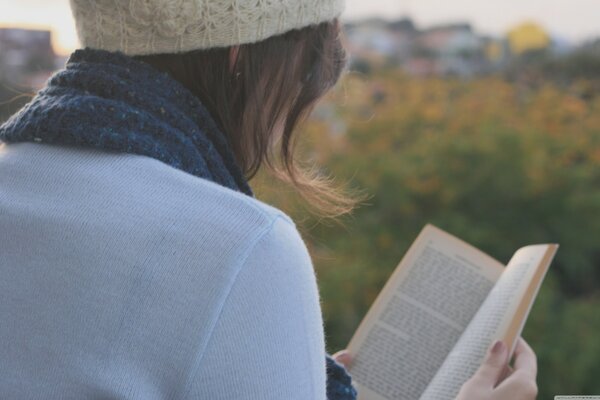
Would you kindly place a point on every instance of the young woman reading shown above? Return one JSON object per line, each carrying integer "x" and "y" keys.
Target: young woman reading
{"x": 136, "y": 262}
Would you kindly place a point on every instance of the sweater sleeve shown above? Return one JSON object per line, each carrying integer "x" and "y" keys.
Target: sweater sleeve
{"x": 268, "y": 342}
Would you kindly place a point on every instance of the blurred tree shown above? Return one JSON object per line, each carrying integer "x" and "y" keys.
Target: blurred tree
{"x": 526, "y": 37}
{"x": 496, "y": 164}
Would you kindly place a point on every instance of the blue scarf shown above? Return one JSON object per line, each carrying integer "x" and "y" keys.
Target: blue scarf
{"x": 108, "y": 100}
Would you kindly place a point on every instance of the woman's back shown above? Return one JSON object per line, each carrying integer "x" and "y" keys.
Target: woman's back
{"x": 123, "y": 277}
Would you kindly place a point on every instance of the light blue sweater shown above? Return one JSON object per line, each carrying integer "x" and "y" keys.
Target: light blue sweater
{"x": 124, "y": 278}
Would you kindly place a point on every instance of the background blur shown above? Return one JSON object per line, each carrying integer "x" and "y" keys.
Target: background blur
{"x": 482, "y": 118}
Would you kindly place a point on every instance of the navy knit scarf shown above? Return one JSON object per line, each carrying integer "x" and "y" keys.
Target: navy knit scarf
{"x": 108, "y": 100}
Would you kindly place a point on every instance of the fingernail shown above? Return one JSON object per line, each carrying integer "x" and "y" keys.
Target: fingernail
{"x": 498, "y": 347}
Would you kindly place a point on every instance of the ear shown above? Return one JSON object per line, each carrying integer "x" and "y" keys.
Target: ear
{"x": 233, "y": 53}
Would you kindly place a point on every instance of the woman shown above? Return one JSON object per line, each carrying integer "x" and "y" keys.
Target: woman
{"x": 136, "y": 261}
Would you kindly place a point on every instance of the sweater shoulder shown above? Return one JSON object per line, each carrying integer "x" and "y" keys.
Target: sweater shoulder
{"x": 130, "y": 184}
{"x": 145, "y": 254}
{"x": 271, "y": 315}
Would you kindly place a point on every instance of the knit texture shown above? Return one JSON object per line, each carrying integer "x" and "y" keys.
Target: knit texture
{"x": 137, "y": 27}
{"x": 110, "y": 101}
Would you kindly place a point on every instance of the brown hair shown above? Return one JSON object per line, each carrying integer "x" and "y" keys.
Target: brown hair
{"x": 275, "y": 81}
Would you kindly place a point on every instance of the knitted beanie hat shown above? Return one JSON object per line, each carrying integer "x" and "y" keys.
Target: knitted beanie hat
{"x": 139, "y": 27}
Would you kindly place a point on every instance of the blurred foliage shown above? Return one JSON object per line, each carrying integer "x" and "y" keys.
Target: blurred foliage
{"x": 528, "y": 36}
{"x": 536, "y": 68}
{"x": 499, "y": 164}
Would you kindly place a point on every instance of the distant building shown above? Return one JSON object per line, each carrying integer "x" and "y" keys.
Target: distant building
{"x": 26, "y": 56}
{"x": 455, "y": 49}
{"x": 378, "y": 40}
{"x": 449, "y": 49}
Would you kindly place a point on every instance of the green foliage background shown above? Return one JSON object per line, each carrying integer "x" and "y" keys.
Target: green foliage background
{"x": 496, "y": 163}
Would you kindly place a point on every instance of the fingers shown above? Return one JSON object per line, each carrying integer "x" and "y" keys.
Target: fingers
{"x": 489, "y": 383}
{"x": 493, "y": 366}
{"x": 525, "y": 359}
{"x": 521, "y": 384}
{"x": 508, "y": 370}
{"x": 343, "y": 357}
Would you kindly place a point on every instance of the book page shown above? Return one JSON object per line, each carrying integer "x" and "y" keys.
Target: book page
{"x": 501, "y": 316}
{"x": 419, "y": 316}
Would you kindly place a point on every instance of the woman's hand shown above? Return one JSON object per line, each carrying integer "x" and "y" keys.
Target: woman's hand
{"x": 488, "y": 383}
{"x": 495, "y": 379}
{"x": 343, "y": 357}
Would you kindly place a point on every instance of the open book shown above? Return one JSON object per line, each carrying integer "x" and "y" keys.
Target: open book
{"x": 446, "y": 302}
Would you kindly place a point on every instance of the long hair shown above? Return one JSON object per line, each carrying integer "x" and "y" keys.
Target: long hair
{"x": 272, "y": 84}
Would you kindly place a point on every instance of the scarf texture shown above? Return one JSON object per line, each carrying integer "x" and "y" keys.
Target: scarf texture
{"x": 110, "y": 101}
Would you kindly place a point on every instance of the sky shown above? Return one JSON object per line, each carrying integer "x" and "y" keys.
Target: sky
{"x": 572, "y": 20}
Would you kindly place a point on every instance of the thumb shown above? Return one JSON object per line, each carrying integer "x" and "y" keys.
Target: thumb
{"x": 490, "y": 371}
{"x": 343, "y": 357}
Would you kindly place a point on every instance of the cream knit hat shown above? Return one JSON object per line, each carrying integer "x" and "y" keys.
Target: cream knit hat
{"x": 138, "y": 27}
